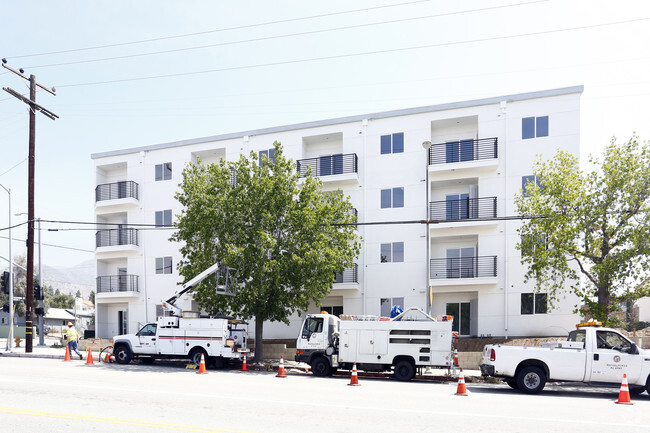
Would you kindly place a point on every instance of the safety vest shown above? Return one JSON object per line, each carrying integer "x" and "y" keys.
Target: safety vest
{"x": 72, "y": 334}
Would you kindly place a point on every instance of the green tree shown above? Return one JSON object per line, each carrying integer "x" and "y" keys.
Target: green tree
{"x": 91, "y": 297}
{"x": 594, "y": 223}
{"x": 284, "y": 235}
{"x": 61, "y": 301}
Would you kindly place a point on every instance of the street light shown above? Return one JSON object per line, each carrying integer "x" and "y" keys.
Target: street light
{"x": 427, "y": 146}
{"x": 10, "y": 335}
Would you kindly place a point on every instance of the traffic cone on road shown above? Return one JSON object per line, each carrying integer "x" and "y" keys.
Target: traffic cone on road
{"x": 89, "y": 358}
{"x": 67, "y": 354}
{"x": 243, "y": 366}
{"x": 461, "y": 390}
{"x": 202, "y": 369}
{"x": 354, "y": 378}
{"x": 108, "y": 358}
{"x": 455, "y": 357}
{"x": 281, "y": 369}
{"x": 624, "y": 393}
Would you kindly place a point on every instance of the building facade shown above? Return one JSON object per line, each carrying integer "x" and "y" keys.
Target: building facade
{"x": 448, "y": 172}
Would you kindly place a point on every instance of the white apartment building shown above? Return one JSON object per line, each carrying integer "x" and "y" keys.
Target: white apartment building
{"x": 464, "y": 262}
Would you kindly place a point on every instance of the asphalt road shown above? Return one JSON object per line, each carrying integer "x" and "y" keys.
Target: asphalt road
{"x": 46, "y": 395}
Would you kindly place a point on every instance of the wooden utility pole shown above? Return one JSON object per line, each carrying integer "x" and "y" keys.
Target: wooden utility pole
{"x": 33, "y": 107}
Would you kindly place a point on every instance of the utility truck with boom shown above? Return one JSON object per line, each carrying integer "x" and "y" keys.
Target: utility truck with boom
{"x": 187, "y": 334}
{"x": 591, "y": 354}
{"x": 400, "y": 345}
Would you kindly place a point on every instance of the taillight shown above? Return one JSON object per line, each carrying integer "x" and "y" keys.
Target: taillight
{"x": 493, "y": 355}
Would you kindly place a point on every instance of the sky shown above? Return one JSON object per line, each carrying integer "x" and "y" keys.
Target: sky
{"x": 131, "y": 74}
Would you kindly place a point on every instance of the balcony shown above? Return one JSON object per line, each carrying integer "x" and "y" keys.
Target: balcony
{"x": 348, "y": 280}
{"x": 120, "y": 285}
{"x": 117, "y": 239}
{"x": 331, "y": 168}
{"x": 464, "y": 270}
{"x": 112, "y": 195}
{"x": 459, "y": 154}
{"x": 463, "y": 208}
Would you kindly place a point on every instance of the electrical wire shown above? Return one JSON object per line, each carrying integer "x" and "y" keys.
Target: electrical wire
{"x": 364, "y": 53}
{"x": 288, "y": 35}
{"x": 49, "y": 245}
{"x": 2, "y": 174}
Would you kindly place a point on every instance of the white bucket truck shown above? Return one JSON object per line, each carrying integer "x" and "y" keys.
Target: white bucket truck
{"x": 187, "y": 334}
{"x": 401, "y": 345}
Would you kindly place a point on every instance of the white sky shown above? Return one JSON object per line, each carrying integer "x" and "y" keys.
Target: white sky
{"x": 378, "y": 58}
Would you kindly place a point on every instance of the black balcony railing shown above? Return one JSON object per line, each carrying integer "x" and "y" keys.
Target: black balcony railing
{"x": 464, "y": 267}
{"x": 349, "y": 275}
{"x": 463, "y": 150}
{"x": 114, "y": 237}
{"x": 464, "y": 208}
{"x": 329, "y": 165}
{"x": 117, "y": 190}
{"x": 117, "y": 283}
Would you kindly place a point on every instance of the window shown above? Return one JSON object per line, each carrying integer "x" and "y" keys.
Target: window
{"x": 164, "y": 217}
{"x": 528, "y": 181}
{"x": 392, "y": 197}
{"x": 149, "y": 330}
{"x": 532, "y": 127}
{"x": 528, "y": 247}
{"x": 392, "y": 252}
{"x": 270, "y": 154}
{"x": 459, "y": 151}
{"x": 534, "y": 303}
{"x": 335, "y": 311}
{"x": 162, "y": 312}
{"x": 164, "y": 265}
{"x": 387, "y": 304}
{"x": 393, "y": 143}
{"x": 612, "y": 340}
{"x": 164, "y": 171}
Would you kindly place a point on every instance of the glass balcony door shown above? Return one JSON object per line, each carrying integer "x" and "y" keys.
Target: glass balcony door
{"x": 461, "y": 263}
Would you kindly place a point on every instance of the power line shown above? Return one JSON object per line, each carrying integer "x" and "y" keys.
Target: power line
{"x": 364, "y": 53}
{"x": 265, "y": 38}
{"x": 50, "y": 245}
{"x": 2, "y": 174}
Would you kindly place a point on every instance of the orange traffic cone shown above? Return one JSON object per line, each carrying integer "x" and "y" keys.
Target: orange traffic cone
{"x": 624, "y": 393}
{"x": 243, "y": 366}
{"x": 202, "y": 366}
{"x": 456, "y": 357}
{"x": 461, "y": 390}
{"x": 108, "y": 357}
{"x": 67, "y": 354}
{"x": 281, "y": 369}
{"x": 354, "y": 378}
{"x": 89, "y": 358}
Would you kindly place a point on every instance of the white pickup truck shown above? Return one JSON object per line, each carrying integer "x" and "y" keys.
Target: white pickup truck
{"x": 591, "y": 354}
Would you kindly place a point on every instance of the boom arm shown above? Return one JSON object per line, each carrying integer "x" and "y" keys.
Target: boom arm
{"x": 171, "y": 302}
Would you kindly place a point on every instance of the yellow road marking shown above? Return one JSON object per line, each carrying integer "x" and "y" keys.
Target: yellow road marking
{"x": 109, "y": 420}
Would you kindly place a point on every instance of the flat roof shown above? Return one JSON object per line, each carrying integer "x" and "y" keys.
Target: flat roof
{"x": 349, "y": 119}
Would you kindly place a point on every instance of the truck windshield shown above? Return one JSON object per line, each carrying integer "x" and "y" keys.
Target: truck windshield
{"x": 148, "y": 330}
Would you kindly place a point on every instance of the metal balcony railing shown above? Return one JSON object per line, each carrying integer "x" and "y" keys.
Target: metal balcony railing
{"x": 349, "y": 275}
{"x": 117, "y": 283}
{"x": 464, "y": 267}
{"x": 114, "y": 237}
{"x": 116, "y": 190}
{"x": 464, "y": 208}
{"x": 463, "y": 150}
{"x": 329, "y": 165}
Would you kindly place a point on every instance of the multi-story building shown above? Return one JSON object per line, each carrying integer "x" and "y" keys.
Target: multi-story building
{"x": 457, "y": 166}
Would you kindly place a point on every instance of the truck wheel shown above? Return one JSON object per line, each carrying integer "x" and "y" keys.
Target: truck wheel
{"x": 123, "y": 355}
{"x": 512, "y": 383}
{"x": 531, "y": 380}
{"x": 320, "y": 367}
{"x": 404, "y": 370}
{"x": 195, "y": 356}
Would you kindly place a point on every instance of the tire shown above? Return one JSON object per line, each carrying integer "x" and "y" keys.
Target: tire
{"x": 404, "y": 370}
{"x": 147, "y": 360}
{"x": 637, "y": 390}
{"x": 195, "y": 356}
{"x": 512, "y": 383}
{"x": 123, "y": 355}
{"x": 320, "y": 367}
{"x": 647, "y": 384}
{"x": 531, "y": 380}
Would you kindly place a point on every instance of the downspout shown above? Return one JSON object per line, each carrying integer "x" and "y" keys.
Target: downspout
{"x": 144, "y": 250}
{"x": 505, "y": 223}
{"x": 364, "y": 125}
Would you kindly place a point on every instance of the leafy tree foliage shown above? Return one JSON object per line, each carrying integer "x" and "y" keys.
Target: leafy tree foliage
{"x": 284, "y": 235}
{"x": 595, "y": 224}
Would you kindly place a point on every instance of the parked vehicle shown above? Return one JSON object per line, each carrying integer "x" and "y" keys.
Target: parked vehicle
{"x": 185, "y": 334}
{"x": 328, "y": 343}
{"x": 591, "y": 354}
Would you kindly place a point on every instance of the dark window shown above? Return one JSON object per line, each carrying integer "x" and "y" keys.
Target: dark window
{"x": 335, "y": 311}
{"x": 392, "y": 197}
{"x": 392, "y": 252}
{"x": 386, "y": 255}
{"x": 393, "y": 143}
{"x": 387, "y": 304}
{"x": 164, "y": 171}
{"x": 164, "y": 217}
{"x": 541, "y": 126}
{"x": 386, "y": 201}
{"x": 532, "y": 179}
{"x": 164, "y": 265}
{"x": 270, "y": 154}
{"x": 534, "y": 303}
{"x": 541, "y": 304}
{"x": 532, "y": 127}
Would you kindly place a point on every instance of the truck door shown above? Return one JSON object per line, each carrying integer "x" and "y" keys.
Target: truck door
{"x": 312, "y": 335}
{"x": 612, "y": 358}
{"x": 146, "y": 340}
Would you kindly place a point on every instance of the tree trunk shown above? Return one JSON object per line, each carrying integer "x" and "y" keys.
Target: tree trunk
{"x": 259, "y": 338}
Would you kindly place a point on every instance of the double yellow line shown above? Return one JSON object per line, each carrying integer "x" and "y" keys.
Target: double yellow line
{"x": 119, "y": 421}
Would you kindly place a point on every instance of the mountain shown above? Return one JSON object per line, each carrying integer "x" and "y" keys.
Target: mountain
{"x": 80, "y": 277}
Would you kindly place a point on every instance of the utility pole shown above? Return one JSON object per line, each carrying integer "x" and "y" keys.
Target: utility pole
{"x": 33, "y": 107}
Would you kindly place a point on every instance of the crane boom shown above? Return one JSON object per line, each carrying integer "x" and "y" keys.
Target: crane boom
{"x": 170, "y": 303}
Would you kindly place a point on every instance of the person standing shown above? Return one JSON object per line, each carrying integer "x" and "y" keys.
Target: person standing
{"x": 72, "y": 336}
